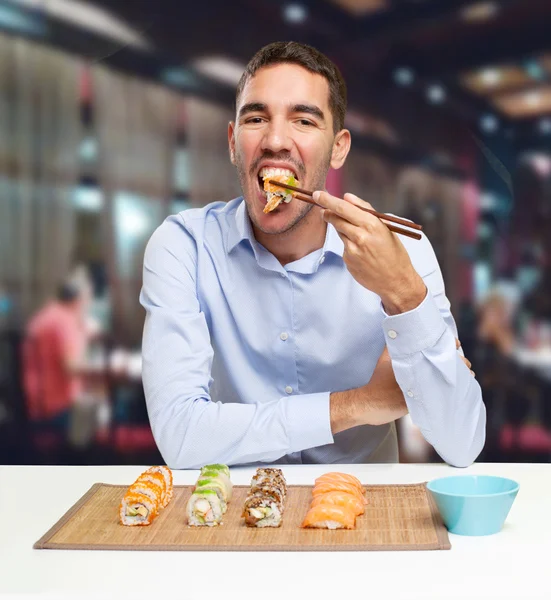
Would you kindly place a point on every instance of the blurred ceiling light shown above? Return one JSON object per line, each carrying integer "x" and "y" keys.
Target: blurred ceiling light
{"x": 541, "y": 164}
{"x": 532, "y": 99}
{"x": 404, "y": 76}
{"x": 295, "y": 13}
{"x": 531, "y": 103}
{"x": 491, "y": 77}
{"x": 544, "y": 126}
{"x": 361, "y": 8}
{"x": 489, "y": 123}
{"x": 436, "y": 94}
{"x": 220, "y": 68}
{"x": 90, "y": 17}
{"x": 88, "y": 199}
{"x": 479, "y": 12}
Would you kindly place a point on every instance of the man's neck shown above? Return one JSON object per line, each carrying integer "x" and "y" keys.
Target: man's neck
{"x": 307, "y": 237}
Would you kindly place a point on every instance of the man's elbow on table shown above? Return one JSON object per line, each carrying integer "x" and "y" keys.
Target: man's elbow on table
{"x": 463, "y": 446}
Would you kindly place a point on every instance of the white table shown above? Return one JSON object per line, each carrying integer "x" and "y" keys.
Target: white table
{"x": 514, "y": 564}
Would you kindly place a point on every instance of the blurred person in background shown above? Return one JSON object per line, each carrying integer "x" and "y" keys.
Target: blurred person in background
{"x": 54, "y": 351}
{"x": 276, "y": 338}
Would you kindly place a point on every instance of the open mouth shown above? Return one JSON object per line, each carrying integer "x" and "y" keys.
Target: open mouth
{"x": 274, "y": 194}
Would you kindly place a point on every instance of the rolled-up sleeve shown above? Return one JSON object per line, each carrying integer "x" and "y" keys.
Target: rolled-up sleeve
{"x": 443, "y": 397}
{"x": 191, "y": 429}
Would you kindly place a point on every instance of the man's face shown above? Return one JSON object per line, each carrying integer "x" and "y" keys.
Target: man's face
{"x": 283, "y": 121}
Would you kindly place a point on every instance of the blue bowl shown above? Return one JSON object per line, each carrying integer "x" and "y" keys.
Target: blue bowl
{"x": 473, "y": 504}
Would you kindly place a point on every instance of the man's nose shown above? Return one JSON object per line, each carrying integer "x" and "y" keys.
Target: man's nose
{"x": 277, "y": 138}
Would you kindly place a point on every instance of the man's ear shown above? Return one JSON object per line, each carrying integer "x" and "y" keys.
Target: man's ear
{"x": 231, "y": 141}
{"x": 341, "y": 148}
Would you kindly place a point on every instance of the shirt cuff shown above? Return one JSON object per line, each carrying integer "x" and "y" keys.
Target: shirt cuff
{"x": 415, "y": 330}
{"x": 309, "y": 420}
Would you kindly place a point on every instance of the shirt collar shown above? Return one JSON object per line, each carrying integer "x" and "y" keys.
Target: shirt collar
{"x": 240, "y": 229}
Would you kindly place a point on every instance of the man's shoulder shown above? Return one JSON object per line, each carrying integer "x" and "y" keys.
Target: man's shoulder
{"x": 186, "y": 230}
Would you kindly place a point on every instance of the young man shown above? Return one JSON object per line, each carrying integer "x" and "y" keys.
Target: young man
{"x": 302, "y": 334}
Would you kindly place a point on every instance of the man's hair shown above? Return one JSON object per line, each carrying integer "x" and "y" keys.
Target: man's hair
{"x": 310, "y": 59}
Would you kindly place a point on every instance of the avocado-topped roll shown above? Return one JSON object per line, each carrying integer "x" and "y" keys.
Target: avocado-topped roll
{"x": 221, "y": 478}
{"x": 218, "y": 468}
{"x": 137, "y": 509}
{"x": 218, "y": 486}
{"x": 204, "y": 508}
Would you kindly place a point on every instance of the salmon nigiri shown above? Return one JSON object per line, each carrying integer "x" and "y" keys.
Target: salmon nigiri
{"x": 344, "y": 477}
{"x": 336, "y": 486}
{"x": 329, "y": 516}
{"x": 340, "y": 499}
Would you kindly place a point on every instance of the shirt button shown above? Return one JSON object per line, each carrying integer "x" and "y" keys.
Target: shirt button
{"x": 289, "y": 389}
{"x": 283, "y": 274}
{"x": 322, "y": 260}
{"x": 284, "y": 336}
{"x": 410, "y": 393}
{"x": 392, "y": 334}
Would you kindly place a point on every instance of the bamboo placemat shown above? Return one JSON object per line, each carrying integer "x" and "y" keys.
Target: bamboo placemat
{"x": 398, "y": 517}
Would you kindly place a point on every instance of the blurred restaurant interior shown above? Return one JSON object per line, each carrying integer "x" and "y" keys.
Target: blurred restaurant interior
{"x": 114, "y": 113}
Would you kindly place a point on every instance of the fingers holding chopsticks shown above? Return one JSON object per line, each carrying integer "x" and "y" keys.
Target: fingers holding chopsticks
{"x": 347, "y": 209}
{"x": 373, "y": 255}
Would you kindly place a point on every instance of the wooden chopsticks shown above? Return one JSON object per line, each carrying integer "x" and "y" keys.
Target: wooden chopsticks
{"x": 306, "y": 196}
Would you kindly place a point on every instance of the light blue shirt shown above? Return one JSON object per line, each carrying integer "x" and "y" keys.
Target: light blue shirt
{"x": 240, "y": 354}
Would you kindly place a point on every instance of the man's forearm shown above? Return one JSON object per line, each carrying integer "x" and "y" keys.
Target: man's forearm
{"x": 371, "y": 404}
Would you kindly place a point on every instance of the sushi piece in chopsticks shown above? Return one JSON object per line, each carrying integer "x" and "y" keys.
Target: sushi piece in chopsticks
{"x": 146, "y": 497}
{"x": 265, "y": 502}
{"x": 210, "y": 497}
{"x": 330, "y": 516}
{"x": 340, "y": 499}
{"x": 323, "y": 488}
{"x": 204, "y": 508}
{"x": 344, "y": 477}
{"x": 275, "y": 194}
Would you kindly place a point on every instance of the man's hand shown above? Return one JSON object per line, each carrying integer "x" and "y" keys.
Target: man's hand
{"x": 376, "y": 403}
{"x": 463, "y": 358}
{"x": 375, "y": 256}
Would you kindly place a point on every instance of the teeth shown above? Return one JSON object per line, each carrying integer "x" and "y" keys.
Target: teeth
{"x": 272, "y": 171}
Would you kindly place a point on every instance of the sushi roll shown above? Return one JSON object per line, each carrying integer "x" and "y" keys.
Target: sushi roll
{"x": 156, "y": 479}
{"x": 137, "y": 509}
{"x": 340, "y": 499}
{"x": 149, "y": 489}
{"x": 262, "y": 510}
{"x": 221, "y": 478}
{"x": 217, "y": 468}
{"x": 265, "y": 501}
{"x": 167, "y": 475}
{"x": 145, "y": 498}
{"x": 204, "y": 508}
{"x": 276, "y": 195}
{"x": 329, "y": 516}
{"x": 216, "y": 485}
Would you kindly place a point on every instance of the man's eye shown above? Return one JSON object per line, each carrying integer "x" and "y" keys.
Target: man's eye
{"x": 306, "y": 122}
{"x": 254, "y": 120}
